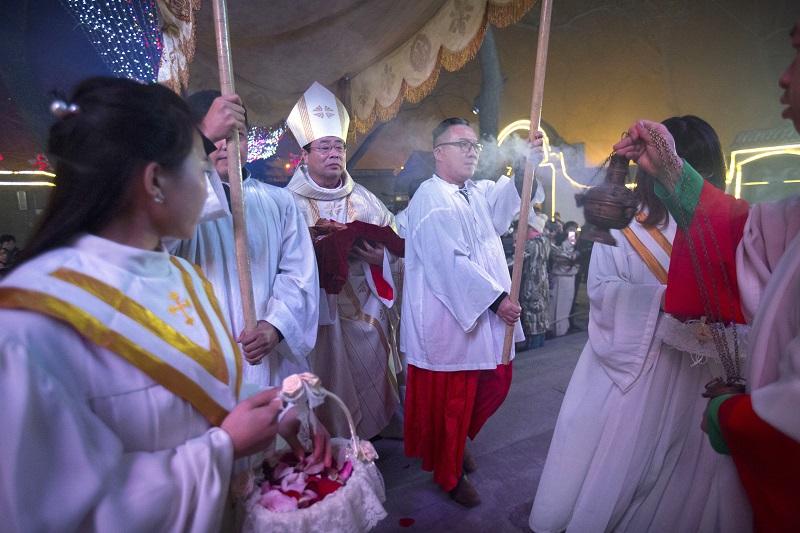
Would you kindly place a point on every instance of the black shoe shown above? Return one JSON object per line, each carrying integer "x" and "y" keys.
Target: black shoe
{"x": 465, "y": 494}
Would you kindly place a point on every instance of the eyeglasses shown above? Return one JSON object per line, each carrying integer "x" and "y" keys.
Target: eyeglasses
{"x": 464, "y": 146}
{"x": 327, "y": 148}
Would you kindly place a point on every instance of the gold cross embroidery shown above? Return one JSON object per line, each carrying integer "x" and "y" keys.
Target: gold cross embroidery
{"x": 180, "y": 307}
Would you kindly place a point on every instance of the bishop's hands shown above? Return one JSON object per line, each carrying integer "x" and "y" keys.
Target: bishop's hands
{"x": 368, "y": 251}
{"x": 258, "y": 342}
{"x": 508, "y": 311}
{"x": 652, "y": 147}
{"x": 225, "y": 115}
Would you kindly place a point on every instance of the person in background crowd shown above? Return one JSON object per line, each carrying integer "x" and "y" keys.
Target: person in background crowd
{"x": 563, "y": 268}
{"x": 5, "y": 265}
{"x": 534, "y": 293}
{"x": 9, "y": 244}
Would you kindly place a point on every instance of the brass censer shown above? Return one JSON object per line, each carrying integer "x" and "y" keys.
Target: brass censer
{"x": 610, "y": 205}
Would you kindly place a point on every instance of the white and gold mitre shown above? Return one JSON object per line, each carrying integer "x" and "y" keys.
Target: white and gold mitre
{"x": 318, "y": 114}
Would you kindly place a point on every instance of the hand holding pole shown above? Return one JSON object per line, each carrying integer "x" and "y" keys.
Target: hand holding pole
{"x": 234, "y": 168}
{"x": 527, "y": 188}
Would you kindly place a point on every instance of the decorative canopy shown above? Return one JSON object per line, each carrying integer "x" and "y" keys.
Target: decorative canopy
{"x": 373, "y": 54}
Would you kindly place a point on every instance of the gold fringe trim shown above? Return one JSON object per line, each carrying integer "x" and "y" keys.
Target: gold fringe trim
{"x": 505, "y": 15}
{"x": 500, "y": 16}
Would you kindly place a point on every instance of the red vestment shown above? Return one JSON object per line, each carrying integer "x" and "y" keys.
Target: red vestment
{"x": 333, "y": 250}
{"x": 725, "y": 216}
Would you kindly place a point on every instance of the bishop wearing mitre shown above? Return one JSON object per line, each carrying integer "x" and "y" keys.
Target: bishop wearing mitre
{"x": 355, "y": 355}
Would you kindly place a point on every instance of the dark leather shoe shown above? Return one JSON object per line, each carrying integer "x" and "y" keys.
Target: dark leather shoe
{"x": 465, "y": 494}
{"x": 469, "y": 464}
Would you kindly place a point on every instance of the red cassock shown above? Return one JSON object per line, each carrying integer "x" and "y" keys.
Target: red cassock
{"x": 767, "y": 460}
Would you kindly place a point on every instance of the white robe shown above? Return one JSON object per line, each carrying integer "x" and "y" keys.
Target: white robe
{"x": 90, "y": 442}
{"x": 455, "y": 268}
{"x": 284, "y": 272}
{"x": 627, "y": 452}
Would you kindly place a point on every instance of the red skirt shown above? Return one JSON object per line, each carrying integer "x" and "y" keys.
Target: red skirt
{"x": 443, "y": 408}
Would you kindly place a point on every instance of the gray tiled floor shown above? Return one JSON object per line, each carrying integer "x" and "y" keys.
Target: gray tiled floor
{"x": 510, "y": 451}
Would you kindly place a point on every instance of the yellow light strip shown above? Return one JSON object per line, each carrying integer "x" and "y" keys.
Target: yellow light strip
{"x": 525, "y": 125}
{"x": 735, "y": 167}
{"x": 791, "y": 181}
{"x": 27, "y": 173}
{"x": 750, "y": 183}
{"x": 26, "y": 184}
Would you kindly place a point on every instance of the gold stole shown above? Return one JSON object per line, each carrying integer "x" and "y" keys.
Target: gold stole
{"x": 645, "y": 254}
{"x": 212, "y": 360}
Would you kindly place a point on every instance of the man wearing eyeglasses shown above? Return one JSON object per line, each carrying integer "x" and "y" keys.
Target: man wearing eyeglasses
{"x": 355, "y": 355}
{"x": 283, "y": 266}
{"x": 456, "y": 308}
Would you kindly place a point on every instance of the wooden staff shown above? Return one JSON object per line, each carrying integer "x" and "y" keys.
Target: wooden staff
{"x": 234, "y": 168}
{"x": 527, "y": 188}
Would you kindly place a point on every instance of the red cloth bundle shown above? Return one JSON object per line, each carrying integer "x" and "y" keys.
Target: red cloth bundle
{"x": 334, "y": 241}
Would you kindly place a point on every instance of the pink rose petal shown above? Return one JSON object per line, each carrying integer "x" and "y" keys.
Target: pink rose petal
{"x": 278, "y": 502}
{"x": 345, "y": 472}
{"x": 295, "y": 481}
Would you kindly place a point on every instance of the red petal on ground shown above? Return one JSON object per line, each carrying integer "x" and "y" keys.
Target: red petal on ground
{"x": 406, "y": 522}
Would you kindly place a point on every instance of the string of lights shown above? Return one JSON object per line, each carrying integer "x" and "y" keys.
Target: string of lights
{"x": 262, "y": 141}
{"x": 125, "y": 34}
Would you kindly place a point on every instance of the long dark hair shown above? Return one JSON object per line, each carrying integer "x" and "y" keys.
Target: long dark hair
{"x": 696, "y": 142}
{"x": 118, "y": 127}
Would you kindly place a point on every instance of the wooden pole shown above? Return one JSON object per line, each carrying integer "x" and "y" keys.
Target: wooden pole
{"x": 527, "y": 188}
{"x": 234, "y": 168}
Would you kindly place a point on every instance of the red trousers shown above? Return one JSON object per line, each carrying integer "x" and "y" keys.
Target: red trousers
{"x": 443, "y": 408}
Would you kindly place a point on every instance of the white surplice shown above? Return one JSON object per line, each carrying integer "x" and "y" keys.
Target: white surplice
{"x": 284, "y": 272}
{"x": 627, "y": 453}
{"x": 113, "y": 360}
{"x": 455, "y": 268}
